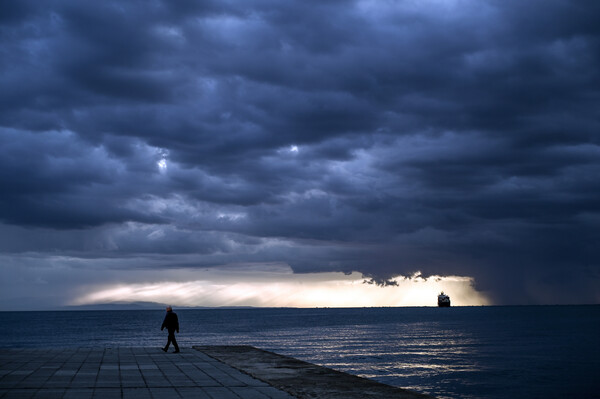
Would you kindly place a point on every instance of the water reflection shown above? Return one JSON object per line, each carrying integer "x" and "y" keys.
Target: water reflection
{"x": 393, "y": 353}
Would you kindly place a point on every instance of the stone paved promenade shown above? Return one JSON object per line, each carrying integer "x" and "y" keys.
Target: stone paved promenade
{"x": 124, "y": 373}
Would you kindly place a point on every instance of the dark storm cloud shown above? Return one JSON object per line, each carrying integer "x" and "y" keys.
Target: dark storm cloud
{"x": 446, "y": 137}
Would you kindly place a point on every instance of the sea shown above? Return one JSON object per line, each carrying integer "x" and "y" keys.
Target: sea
{"x": 456, "y": 352}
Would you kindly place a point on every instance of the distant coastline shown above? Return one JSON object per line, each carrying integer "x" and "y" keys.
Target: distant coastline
{"x": 154, "y": 306}
{"x": 143, "y": 306}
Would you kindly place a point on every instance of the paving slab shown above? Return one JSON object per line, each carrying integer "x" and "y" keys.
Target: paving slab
{"x": 124, "y": 373}
{"x": 204, "y": 372}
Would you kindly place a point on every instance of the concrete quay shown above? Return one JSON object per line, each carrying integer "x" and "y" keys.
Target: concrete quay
{"x": 222, "y": 372}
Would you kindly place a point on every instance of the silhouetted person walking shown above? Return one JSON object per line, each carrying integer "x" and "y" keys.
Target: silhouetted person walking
{"x": 172, "y": 324}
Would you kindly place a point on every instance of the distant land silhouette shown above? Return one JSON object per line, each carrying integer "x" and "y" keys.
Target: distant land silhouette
{"x": 141, "y": 306}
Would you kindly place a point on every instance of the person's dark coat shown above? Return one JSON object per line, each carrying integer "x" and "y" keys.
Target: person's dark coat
{"x": 171, "y": 323}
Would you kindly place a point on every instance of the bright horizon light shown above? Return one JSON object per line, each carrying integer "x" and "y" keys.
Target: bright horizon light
{"x": 283, "y": 288}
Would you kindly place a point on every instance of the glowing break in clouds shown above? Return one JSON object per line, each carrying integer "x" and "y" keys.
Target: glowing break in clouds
{"x": 280, "y": 287}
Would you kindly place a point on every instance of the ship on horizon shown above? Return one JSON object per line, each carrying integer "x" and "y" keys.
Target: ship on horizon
{"x": 443, "y": 300}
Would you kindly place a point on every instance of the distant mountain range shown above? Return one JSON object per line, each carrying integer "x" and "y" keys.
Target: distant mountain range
{"x": 142, "y": 306}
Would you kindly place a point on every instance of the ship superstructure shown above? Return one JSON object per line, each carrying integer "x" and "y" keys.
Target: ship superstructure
{"x": 443, "y": 300}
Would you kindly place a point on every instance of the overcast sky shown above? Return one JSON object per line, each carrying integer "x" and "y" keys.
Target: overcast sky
{"x": 142, "y": 140}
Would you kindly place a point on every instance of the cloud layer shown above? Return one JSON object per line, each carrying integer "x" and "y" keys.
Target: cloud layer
{"x": 449, "y": 137}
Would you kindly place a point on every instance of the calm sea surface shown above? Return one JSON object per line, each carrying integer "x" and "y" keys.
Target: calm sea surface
{"x": 458, "y": 352}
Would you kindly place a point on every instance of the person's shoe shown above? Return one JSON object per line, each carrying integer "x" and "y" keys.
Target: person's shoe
{"x": 163, "y": 349}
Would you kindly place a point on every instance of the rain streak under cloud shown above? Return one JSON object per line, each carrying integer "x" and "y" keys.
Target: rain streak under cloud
{"x": 146, "y": 143}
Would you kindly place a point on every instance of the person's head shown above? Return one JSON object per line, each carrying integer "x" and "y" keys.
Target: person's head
{"x": 169, "y": 308}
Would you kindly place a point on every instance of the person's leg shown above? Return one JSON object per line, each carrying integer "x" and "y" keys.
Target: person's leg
{"x": 175, "y": 343}
{"x": 172, "y": 339}
{"x": 166, "y": 348}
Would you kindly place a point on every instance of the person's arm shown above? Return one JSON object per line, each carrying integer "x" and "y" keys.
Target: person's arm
{"x": 162, "y": 327}
{"x": 177, "y": 324}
